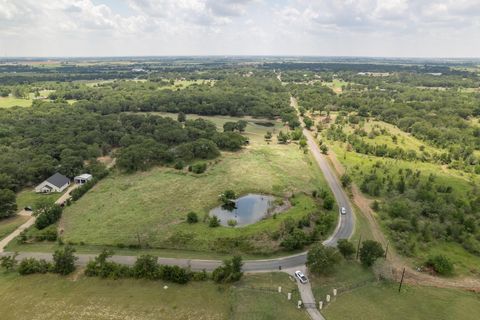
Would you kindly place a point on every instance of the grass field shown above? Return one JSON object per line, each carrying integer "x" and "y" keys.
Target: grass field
{"x": 382, "y": 301}
{"x": 8, "y": 225}
{"x": 28, "y": 197}
{"x": 336, "y": 85}
{"x": 150, "y": 207}
{"x": 362, "y": 296}
{"x": 40, "y": 297}
{"x": 8, "y": 102}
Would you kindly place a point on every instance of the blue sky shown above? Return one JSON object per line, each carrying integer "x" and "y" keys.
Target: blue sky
{"x": 399, "y": 28}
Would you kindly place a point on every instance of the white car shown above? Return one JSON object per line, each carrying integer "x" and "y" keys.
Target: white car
{"x": 299, "y": 274}
{"x": 343, "y": 210}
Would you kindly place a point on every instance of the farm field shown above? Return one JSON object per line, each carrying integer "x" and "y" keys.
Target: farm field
{"x": 149, "y": 208}
{"x": 79, "y": 297}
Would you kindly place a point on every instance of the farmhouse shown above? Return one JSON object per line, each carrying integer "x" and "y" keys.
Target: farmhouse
{"x": 83, "y": 178}
{"x": 56, "y": 183}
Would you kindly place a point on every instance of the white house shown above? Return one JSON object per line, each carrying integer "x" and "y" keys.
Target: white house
{"x": 56, "y": 183}
{"x": 83, "y": 178}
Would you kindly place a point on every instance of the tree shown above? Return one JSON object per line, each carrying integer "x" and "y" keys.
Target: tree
{"x": 241, "y": 125}
{"x": 230, "y": 271}
{"x": 322, "y": 260}
{"x": 346, "y": 180}
{"x": 370, "y": 251}
{"x": 346, "y": 248}
{"x": 64, "y": 260}
{"x": 192, "y": 217}
{"x": 324, "y": 149}
{"x": 9, "y": 262}
{"x": 308, "y": 122}
{"x": 146, "y": 266}
{"x": 268, "y": 136}
{"x": 181, "y": 117}
{"x": 294, "y": 240}
{"x": 229, "y": 126}
{"x": 227, "y": 196}
{"x": 8, "y": 204}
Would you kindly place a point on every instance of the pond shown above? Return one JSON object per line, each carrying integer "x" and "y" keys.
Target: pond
{"x": 245, "y": 210}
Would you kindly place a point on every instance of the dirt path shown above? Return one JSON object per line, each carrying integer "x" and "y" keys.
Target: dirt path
{"x": 395, "y": 263}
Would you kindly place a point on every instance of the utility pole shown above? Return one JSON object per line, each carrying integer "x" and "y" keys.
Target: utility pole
{"x": 401, "y": 281}
{"x": 358, "y": 246}
{"x": 386, "y": 250}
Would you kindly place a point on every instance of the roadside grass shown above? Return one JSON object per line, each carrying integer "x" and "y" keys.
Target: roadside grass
{"x": 383, "y": 301}
{"x": 29, "y": 198}
{"x": 149, "y": 208}
{"x": 53, "y": 297}
{"x": 9, "y": 225}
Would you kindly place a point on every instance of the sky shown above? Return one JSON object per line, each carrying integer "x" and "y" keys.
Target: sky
{"x": 390, "y": 28}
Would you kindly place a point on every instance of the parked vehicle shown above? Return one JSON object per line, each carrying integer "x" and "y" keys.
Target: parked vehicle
{"x": 343, "y": 211}
{"x": 301, "y": 277}
{"x": 28, "y": 208}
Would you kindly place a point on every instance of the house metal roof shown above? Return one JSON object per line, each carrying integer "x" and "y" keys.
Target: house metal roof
{"x": 58, "y": 180}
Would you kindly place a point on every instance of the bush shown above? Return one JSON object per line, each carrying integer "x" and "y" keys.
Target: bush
{"x": 328, "y": 202}
{"x": 214, "y": 222}
{"x": 64, "y": 260}
{"x": 370, "y": 251}
{"x": 230, "y": 271}
{"x": 47, "y": 234}
{"x": 232, "y": 222}
{"x": 199, "y": 167}
{"x": 200, "y": 276}
{"x": 32, "y": 265}
{"x": 322, "y": 260}
{"x": 9, "y": 262}
{"x": 192, "y": 217}
{"x": 346, "y": 180}
{"x": 146, "y": 267}
{"x": 346, "y": 248}
{"x": 441, "y": 264}
{"x": 174, "y": 274}
{"x": 179, "y": 165}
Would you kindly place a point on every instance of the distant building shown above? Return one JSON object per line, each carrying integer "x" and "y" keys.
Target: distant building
{"x": 83, "y": 178}
{"x": 56, "y": 183}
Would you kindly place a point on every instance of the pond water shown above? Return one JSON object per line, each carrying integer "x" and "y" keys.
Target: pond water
{"x": 247, "y": 210}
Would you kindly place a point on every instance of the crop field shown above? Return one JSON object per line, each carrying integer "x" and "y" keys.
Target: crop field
{"x": 150, "y": 207}
{"x": 41, "y": 297}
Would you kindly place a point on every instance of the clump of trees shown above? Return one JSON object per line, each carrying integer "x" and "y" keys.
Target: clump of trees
{"x": 322, "y": 260}
{"x": 230, "y": 271}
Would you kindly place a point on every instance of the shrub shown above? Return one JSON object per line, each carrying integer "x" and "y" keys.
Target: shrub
{"x": 200, "y": 276}
{"x": 441, "y": 264}
{"x": 64, "y": 260}
{"x": 179, "y": 165}
{"x": 232, "y": 222}
{"x": 214, "y": 222}
{"x": 192, "y": 217}
{"x": 174, "y": 274}
{"x": 47, "y": 234}
{"x": 346, "y": 180}
{"x": 346, "y": 248}
{"x": 32, "y": 265}
{"x": 9, "y": 262}
{"x": 199, "y": 167}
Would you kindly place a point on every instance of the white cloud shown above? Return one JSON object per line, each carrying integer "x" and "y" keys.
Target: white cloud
{"x": 342, "y": 27}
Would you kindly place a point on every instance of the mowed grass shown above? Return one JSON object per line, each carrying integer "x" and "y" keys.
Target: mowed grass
{"x": 383, "y": 301}
{"x": 151, "y": 207}
{"x": 29, "y": 198}
{"x": 40, "y": 297}
{"x": 9, "y": 225}
{"x": 8, "y": 102}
